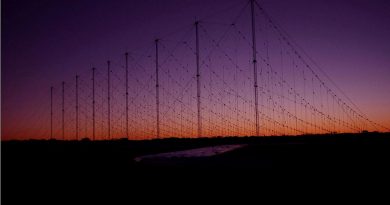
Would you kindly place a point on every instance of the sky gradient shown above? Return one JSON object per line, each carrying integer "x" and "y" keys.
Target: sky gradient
{"x": 47, "y": 42}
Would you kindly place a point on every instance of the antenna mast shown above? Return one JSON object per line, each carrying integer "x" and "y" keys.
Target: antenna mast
{"x": 127, "y": 96}
{"x": 77, "y": 107}
{"x": 108, "y": 100}
{"x": 63, "y": 110}
{"x": 51, "y": 112}
{"x": 255, "y": 66}
{"x": 93, "y": 103}
{"x": 198, "y": 80}
{"x": 157, "y": 93}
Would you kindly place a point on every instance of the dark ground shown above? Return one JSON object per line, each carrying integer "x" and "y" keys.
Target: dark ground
{"x": 47, "y": 171}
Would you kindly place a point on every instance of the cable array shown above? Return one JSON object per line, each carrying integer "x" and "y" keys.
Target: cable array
{"x": 198, "y": 82}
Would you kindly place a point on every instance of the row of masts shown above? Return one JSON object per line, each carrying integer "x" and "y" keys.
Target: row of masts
{"x": 198, "y": 96}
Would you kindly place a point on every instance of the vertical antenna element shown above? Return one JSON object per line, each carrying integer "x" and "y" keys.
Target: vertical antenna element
{"x": 63, "y": 110}
{"x": 51, "y": 112}
{"x": 108, "y": 100}
{"x": 127, "y": 95}
{"x": 93, "y": 103}
{"x": 157, "y": 93}
{"x": 198, "y": 80}
{"x": 255, "y": 66}
{"x": 77, "y": 107}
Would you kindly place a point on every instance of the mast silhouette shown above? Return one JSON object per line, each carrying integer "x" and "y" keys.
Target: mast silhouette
{"x": 254, "y": 60}
{"x": 198, "y": 80}
{"x": 157, "y": 93}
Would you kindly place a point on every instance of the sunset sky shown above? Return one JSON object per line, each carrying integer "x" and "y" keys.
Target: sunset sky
{"x": 46, "y": 42}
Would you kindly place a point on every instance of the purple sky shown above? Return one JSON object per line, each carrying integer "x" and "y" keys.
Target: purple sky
{"x": 45, "y": 42}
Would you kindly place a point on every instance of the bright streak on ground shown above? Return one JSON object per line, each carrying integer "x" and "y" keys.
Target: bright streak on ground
{"x": 199, "y": 152}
